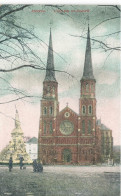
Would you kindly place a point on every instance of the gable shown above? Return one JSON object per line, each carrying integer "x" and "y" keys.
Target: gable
{"x": 33, "y": 140}
{"x": 68, "y": 111}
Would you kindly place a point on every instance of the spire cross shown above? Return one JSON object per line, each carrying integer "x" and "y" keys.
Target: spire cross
{"x": 88, "y": 19}
{"x": 51, "y": 23}
{"x": 67, "y": 104}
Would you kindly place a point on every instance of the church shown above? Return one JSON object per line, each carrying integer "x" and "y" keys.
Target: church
{"x": 66, "y": 137}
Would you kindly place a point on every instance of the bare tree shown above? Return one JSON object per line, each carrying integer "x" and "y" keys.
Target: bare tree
{"x": 15, "y": 41}
{"x": 15, "y": 48}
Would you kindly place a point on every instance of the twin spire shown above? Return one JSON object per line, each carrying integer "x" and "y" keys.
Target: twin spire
{"x": 88, "y": 70}
{"x": 50, "y": 73}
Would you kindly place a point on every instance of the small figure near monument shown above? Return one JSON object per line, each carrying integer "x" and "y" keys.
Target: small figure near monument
{"x": 40, "y": 167}
{"x": 21, "y": 162}
{"x": 10, "y": 164}
{"x": 35, "y": 165}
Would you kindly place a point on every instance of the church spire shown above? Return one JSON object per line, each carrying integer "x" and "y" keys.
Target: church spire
{"x": 88, "y": 70}
{"x": 50, "y": 74}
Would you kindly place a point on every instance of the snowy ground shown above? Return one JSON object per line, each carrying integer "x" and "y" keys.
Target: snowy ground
{"x": 61, "y": 181}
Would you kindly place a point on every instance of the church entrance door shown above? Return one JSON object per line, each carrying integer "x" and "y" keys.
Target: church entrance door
{"x": 67, "y": 155}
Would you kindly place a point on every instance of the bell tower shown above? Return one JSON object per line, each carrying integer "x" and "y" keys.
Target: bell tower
{"x": 49, "y": 102}
{"x": 87, "y": 107}
{"x": 49, "y": 108}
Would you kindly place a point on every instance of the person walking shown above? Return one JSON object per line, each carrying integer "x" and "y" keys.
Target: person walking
{"x": 21, "y": 162}
{"x": 10, "y": 164}
{"x": 40, "y": 167}
{"x": 35, "y": 165}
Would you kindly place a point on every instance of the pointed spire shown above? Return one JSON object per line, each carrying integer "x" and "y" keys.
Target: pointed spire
{"x": 50, "y": 74}
{"x": 88, "y": 70}
{"x": 17, "y": 122}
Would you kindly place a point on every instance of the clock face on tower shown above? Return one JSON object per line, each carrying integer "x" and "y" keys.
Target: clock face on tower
{"x": 66, "y": 127}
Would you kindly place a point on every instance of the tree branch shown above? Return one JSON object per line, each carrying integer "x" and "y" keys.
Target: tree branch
{"x": 19, "y": 98}
{"x": 102, "y": 43}
{"x": 14, "y": 10}
{"x": 112, "y": 6}
{"x": 33, "y": 67}
{"x": 108, "y": 34}
{"x": 108, "y": 19}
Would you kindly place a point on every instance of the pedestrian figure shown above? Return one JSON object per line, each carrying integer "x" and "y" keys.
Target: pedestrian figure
{"x": 35, "y": 165}
{"x": 21, "y": 162}
{"x": 10, "y": 164}
{"x": 40, "y": 167}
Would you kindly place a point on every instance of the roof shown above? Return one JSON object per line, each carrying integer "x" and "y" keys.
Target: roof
{"x": 33, "y": 140}
{"x": 99, "y": 122}
{"x": 102, "y": 126}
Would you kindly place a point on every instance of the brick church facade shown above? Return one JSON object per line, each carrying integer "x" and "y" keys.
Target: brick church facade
{"x": 66, "y": 137}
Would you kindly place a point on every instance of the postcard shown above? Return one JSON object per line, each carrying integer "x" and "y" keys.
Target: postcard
{"x": 59, "y": 100}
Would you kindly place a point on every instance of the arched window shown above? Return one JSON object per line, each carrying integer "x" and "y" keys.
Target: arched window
{"x": 83, "y": 109}
{"x": 51, "y": 127}
{"x": 87, "y": 87}
{"x": 89, "y": 126}
{"x": 92, "y": 87}
{"x": 48, "y": 88}
{"x": 83, "y": 126}
{"x": 91, "y": 152}
{"x": 83, "y": 88}
{"x": 45, "y": 110}
{"x": 53, "y": 89}
{"x": 51, "y": 110}
{"x": 85, "y": 155}
{"x": 89, "y": 109}
{"x": 44, "y": 127}
{"x": 80, "y": 155}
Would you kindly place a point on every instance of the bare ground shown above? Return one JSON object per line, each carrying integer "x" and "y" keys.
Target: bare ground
{"x": 61, "y": 181}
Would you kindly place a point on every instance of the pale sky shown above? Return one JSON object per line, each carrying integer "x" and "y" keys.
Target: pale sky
{"x": 69, "y": 56}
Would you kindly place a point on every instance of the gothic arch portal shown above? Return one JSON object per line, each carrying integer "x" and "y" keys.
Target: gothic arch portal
{"x": 67, "y": 155}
